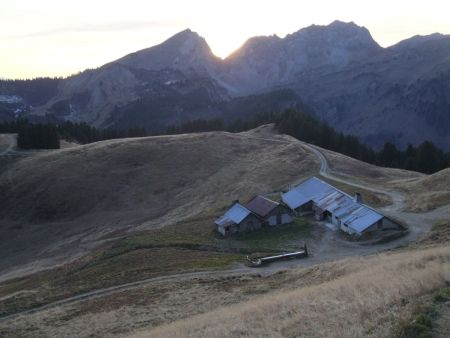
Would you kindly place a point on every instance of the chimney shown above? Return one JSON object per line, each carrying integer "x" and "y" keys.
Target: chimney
{"x": 358, "y": 197}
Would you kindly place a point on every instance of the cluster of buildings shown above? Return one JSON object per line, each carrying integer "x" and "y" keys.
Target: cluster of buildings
{"x": 259, "y": 212}
{"x": 311, "y": 197}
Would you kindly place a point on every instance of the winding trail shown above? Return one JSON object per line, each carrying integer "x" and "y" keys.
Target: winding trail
{"x": 128, "y": 286}
{"x": 418, "y": 225}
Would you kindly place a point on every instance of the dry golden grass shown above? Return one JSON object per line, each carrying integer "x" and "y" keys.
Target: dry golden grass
{"x": 440, "y": 233}
{"x": 363, "y": 303}
{"x": 106, "y": 189}
{"x": 351, "y": 297}
{"x": 68, "y": 144}
{"x": 365, "y": 172}
{"x": 428, "y": 192}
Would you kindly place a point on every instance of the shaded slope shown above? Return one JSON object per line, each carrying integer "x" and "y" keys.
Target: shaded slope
{"x": 64, "y": 202}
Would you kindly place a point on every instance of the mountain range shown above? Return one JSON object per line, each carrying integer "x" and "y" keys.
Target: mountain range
{"x": 399, "y": 94}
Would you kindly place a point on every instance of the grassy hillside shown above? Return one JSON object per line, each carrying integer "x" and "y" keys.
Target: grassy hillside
{"x": 361, "y": 296}
{"x": 361, "y": 171}
{"x": 58, "y": 205}
{"x": 61, "y": 203}
{"x": 376, "y": 291}
{"x": 427, "y": 192}
{"x": 128, "y": 210}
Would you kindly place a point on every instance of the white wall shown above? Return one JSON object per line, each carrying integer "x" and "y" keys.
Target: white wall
{"x": 272, "y": 220}
{"x": 286, "y": 218}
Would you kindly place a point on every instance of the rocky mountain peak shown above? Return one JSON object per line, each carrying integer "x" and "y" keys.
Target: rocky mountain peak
{"x": 337, "y": 33}
{"x": 185, "y": 51}
{"x": 258, "y": 44}
{"x": 418, "y": 40}
{"x": 186, "y": 37}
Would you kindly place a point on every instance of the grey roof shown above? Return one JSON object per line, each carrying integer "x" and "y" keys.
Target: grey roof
{"x": 312, "y": 189}
{"x": 355, "y": 215}
{"x": 236, "y": 214}
{"x": 362, "y": 218}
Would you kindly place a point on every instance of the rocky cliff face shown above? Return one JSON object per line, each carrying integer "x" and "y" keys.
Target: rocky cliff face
{"x": 264, "y": 62}
{"x": 400, "y": 93}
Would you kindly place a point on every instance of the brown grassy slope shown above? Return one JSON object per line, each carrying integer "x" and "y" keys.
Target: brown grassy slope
{"x": 427, "y": 192}
{"x": 59, "y": 201}
{"x": 365, "y": 172}
{"x": 440, "y": 233}
{"x": 63, "y": 203}
{"x": 354, "y": 305}
{"x": 164, "y": 302}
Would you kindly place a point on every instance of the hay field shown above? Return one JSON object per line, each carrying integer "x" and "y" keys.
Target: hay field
{"x": 368, "y": 301}
{"x": 360, "y": 296}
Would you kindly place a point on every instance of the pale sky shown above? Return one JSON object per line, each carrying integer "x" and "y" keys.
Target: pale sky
{"x": 62, "y": 37}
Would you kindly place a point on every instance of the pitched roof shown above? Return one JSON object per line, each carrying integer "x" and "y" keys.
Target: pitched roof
{"x": 261, "y": 205}
{"x": 235, "y": 215}
{"x": 310, "y": 190}
{"x": 362, "y": 218}
{"x": 354, "y": 214}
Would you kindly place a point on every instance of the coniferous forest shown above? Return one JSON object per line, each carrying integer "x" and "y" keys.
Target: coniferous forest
{"x": 425, "y": 157}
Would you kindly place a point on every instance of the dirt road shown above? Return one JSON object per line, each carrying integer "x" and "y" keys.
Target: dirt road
{"x": 418, "y": 223}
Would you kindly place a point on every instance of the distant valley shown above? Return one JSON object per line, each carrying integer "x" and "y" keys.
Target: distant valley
{"x": 399, "y": 94}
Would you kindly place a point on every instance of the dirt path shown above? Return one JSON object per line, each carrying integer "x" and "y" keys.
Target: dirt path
{"x": 418, "y": 223}
{"x": 128, "y": 286}
{"x": 330, "y": 248}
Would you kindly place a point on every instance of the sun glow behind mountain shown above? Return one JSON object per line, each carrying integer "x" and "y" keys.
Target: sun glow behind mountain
{"x": 55, "y": 38}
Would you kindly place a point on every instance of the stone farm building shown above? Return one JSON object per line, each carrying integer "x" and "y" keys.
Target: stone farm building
{"x": 270, "y": 212}
{"x": 237, "y": 219}
{"x": 344, "y": 212}
{"x": 259, "y": 212}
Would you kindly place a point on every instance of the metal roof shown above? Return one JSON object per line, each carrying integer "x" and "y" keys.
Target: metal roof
{"x": 294, "y": 199}
{"x": 355, "y": 215}
{"x": 261, "y": 205}
{"x": 236, "y": 214}
{"x": 312, "y": 189}
{"x": 362, "y": 218}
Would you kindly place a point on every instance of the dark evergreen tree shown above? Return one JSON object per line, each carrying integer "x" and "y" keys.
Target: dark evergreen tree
{"x": 427, "y": 158}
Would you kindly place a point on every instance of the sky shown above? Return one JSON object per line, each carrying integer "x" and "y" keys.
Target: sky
{"x": 63, "y": 37}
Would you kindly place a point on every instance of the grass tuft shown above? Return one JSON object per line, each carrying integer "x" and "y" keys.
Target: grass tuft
{"x": 422, "y": 322}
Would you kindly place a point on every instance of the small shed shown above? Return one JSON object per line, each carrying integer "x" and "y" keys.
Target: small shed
{"x": 270, "y": 212}
{"x": 236, "y": 220}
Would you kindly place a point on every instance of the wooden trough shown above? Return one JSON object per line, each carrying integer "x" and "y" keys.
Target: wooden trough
{"x": 260, "y": 261}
